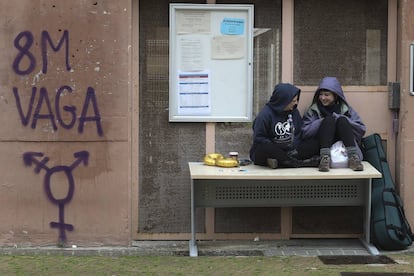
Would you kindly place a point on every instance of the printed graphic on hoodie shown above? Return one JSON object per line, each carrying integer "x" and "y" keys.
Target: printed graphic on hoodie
{"x": 283, "y": 132}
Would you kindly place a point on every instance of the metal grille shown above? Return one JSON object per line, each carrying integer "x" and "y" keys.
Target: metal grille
{"x": 238, "y": 193}
{"x": 291, "y": 191}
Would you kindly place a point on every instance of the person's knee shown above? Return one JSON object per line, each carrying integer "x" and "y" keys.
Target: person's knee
{"x": 327, "y": 123}
{"x": 342, "y": 122}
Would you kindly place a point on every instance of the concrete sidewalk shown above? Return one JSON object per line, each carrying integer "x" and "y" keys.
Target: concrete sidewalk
{"x": 297, "y": 247}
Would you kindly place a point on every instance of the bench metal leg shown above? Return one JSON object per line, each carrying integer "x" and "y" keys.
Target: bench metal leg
{"x": 366, "y": 240}
{"x": 193, "y": 249}
{"x": 370, "y": 247}
{"x": 193, "y": 244}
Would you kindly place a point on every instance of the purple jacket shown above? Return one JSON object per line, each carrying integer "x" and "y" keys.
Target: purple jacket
{"x": 312, "y": 118}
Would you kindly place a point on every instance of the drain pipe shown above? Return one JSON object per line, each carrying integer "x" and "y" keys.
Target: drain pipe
{"x": 394, "y": 106}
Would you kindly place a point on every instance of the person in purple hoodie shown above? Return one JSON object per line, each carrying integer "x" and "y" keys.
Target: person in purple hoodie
{"x": 329, "y": 119}
{"x": 277, "y": 131}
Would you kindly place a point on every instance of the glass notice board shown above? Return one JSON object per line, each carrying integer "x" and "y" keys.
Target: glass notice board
{"x": 211, "y": 70}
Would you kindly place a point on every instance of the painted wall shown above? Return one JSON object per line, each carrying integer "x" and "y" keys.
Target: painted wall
{"x": 68, "y": 118}
{"x": 64, "y": 103}
{"x": 406, "y": 134}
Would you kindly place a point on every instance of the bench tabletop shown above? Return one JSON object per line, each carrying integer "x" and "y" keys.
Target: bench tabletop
{"x": 200, "y": 171}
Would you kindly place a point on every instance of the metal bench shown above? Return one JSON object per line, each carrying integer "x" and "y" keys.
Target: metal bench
{"x": 256, "y": 186}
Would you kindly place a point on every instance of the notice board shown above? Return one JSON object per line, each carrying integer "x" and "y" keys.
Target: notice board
{"x": 211, "y": 67}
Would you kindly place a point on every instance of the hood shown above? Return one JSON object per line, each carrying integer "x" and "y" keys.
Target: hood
{"x": 282, "y": 95}
{"x": 332, "y": 84}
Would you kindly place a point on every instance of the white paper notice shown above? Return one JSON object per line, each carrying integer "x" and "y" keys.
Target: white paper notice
{"x": 194, "y": 93}
{"x": 191, "y": 54}
{"x": 193, "y": 22}
{"x": 227, "y": 47}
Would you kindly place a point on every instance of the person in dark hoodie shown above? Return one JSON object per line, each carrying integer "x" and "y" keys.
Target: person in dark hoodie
{"x": 329, "y": 119}
{"x": 277, "y": 131}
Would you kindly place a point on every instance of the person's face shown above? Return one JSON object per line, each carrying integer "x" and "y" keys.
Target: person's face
{"x": 326, "y": 97}
{"x": 292, "y": 104}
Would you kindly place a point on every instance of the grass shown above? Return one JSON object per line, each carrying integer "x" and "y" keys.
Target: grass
{"x": 176, "y": 265}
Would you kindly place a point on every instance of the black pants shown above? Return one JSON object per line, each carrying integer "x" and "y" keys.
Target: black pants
{"x": 329, "y": 132}
{"x": 269, "y": 150}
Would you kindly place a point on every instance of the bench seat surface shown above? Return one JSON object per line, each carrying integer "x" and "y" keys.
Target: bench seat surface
{"x": 200, "y": 171}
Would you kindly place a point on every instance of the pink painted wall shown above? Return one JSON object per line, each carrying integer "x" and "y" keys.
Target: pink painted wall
{"x": 406, "y": 135}
{"x": 89, "y": 115}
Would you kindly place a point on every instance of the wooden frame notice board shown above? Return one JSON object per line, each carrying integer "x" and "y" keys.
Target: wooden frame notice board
{"x": 211, "y": 66}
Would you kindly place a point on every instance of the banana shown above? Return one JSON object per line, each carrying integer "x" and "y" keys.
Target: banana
{"x": 217, "y": 159}
{"x": 211, "y": 159}
{"x": 227, "y": 162}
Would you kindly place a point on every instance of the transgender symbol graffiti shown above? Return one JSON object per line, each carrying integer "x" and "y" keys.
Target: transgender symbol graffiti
{"x": 30, "y": 158}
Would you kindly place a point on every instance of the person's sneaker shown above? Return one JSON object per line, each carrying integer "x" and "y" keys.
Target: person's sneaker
{"x": 272, "y": 163}
{"x": 324, "y": 163}
{"x": 354, "y": 163}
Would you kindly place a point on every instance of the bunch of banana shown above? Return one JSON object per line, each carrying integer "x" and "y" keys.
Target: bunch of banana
{"x": 211, "y": 159}
{"x": 227, "y": 162}
{"x": 217, "y": 159}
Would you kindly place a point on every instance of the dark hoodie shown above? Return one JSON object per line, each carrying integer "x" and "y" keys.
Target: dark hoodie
{"x": 272, "y": 123}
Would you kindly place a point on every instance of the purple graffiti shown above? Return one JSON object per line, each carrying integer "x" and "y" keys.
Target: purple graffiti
{"x": 24, "y": 53}
{"x": 68, "y": 108}
{"x": 46, "y": 37}
{"x": 90, "y": 97}
{"x": 32, "y": 158}
{"x": 43, "y": 103}
{"x": 25, "y": 63}
{"x": 24, "y": 41}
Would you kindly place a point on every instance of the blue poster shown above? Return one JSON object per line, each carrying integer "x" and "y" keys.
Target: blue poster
{"x": 232, "y": 26}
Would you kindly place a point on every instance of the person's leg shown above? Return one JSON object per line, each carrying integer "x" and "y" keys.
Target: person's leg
{"x": 269, "y": 155}
{"x": 344, "y": 133}
{"x": 326, "y": 136}
{"x": 274, "y": 157}
{"x": 307, "y": 153}
{"x": 326, "y": 132}
{"x": 308, "y": 148}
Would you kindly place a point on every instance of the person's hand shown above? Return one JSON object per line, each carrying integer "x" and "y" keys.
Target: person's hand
{"x": 336, "y": 115}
